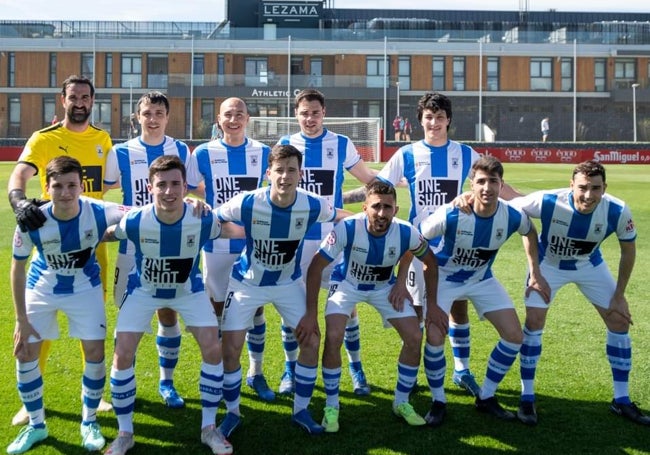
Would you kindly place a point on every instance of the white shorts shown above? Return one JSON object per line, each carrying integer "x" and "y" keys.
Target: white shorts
{"x": 595, "y": 283}
{"x": 309, "y": 249}
{"x": 123, "y": 265}
{"x": 138, "y": 308}
{"x": 343, "y": 297}
{"x": 84, "y": 310}
{"x": 415, "y": 283}
{"x": 487, "y": 295}
{"x": 242, "y": 300}
{"x": 217, "y": 268}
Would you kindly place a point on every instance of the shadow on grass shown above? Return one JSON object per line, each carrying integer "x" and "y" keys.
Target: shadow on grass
{"x": 368, "y": 426}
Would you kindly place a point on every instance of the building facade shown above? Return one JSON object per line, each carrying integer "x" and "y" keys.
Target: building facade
{"x": 588, "y": 72}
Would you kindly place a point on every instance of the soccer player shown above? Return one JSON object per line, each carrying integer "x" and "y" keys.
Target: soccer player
{"x": 435, "y": 169}
{"x": 371, "y": 244}
{"x": 575, "y": 221}
{"x": 168, "y": 239}
{"x": 276, "y": 219}
{"x": 229, "y": 166}
{"x": 467, "y": 248}
{"x": 74, "y": 136}
{"x": 127, "y": 166}
{"x": 326, "y": 156}
{"x": 63, "y": 276}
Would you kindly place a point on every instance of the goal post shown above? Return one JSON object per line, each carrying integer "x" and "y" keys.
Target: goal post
{"x": 364, "y": 132}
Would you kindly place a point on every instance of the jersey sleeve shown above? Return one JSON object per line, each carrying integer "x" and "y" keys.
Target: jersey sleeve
{"x": 435, "y": 224}
{"x": 120, "y": 229}
{"x": 352, "y": 156}
{"x": 193, "y": 176}
{"x": 625, "y": 229}
{"x": 530, "y": 204}
{"x": 216, "y": 226}
{"x": 112, "y": 172}
{"x": 327, "y": 211}
{"x": 29, "y": 156}
{"x": 231, "y": 210}
{"x": 22, "y": 245}
{"x": 334, "y": 243}
{"x": 418, "y": 244}
{"x": 114, "y": 212}
{"x": 393, "y": 170}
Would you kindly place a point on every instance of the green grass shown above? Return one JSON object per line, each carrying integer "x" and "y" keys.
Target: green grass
{"x": 574, "y": 381}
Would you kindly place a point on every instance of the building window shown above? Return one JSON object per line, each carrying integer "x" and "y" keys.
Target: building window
{"x": 404, "y": 73}
{"x": 566, "y": 69}
{"x": 109, "y": 70}
{"x": 438, "y": 73}
{"x": 131, "y": 70}
{"x": 256, "y": 72}
{"x": 221, "y": 70}
{"x": 102, "y": 114}
{"x": 53, "y": 79}
{"x": 157, "y": 70}
{"x": 459, "y": 73}
{"x": 49, "y": 110}
{"x": 207, "y": 117}
{"x": 88, "y": 65}
{"x": 14, "y": 116}
{"x": 11, "y": 70}
{"x": 624, "y": 73}
{"x": 541, "y": 74}
{"x": 199, "y": 70}
{"x": 376, "y": 75}
{"x": 316, "y": 72}
{"x": 600, "y": 74}
{"x": 493, "y": 74}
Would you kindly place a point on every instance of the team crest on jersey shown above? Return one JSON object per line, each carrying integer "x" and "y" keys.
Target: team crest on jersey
{"x": 392, "y": 252}
{"x": 18, "y": 240}
{"x": 454, "y": 162}
{"x": 329, "y": 153}
{"x": 100, "y": 150}
{"x": 191, "y": 241}
{"x": 598, "y": 228}
{"x": 253, "y": 160}
{"x": 499, "y": 234}
{"x": 88, "y": 234}
{"x": 629, "y": 227}
{"x": 300, "y": 223}
{"x": 331, "y": 238}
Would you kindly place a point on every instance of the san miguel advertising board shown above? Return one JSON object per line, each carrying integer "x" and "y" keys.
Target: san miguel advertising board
{"x": 564, "y": 155}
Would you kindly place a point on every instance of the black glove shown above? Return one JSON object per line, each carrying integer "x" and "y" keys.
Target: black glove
{"x": 28, "y": 214}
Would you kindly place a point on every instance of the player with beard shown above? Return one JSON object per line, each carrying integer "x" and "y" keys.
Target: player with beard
{"x": 74, "y": 137}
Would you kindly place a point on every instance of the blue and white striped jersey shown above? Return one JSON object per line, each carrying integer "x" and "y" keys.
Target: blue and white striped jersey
{"x": 166, "y": 255}
{"x": 128, "y": 163}
{"x": 569, "y": 239}
{"x": 274, "y": 235}
{"x": 325, "y": 158}
{"x": 368, "y": 262}
{"x": 228, "y": 171}
{"x": 64, "y": 261}
{"x": 435, "y": 175}
{"x": 469, "y": 243}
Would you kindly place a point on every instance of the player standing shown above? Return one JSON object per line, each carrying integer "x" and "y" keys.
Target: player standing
{"x": 127, "y": 166}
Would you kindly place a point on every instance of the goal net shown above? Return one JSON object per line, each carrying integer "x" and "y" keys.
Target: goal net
{"x": 364, "y": 132}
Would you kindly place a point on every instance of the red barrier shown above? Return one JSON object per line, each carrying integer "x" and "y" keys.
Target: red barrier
{"x": 515, "y": 154}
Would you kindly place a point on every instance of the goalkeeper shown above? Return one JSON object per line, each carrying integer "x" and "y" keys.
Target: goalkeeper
{"x": 74, "y": 137}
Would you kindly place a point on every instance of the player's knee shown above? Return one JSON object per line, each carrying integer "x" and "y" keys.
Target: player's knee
{"x": 513, "y": 335}
{"x": 413, "y": 341}
{"x": 435, "y": 336}
{"x": 167, "y": 317}
{"x": 458, "y": 312}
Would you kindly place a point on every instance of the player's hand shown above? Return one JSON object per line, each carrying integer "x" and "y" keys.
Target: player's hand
{"x": 398, "y": 295}
{"x": 22, "y": 332}
{"x": 618, "y": 305}
{"x": 307, "y": 327}
{"x": 464, "y": 202}
{"x": 539, "y": 284}
{"x": 28, "y": 214}
{"x": 200, "y": 207}
{"x": 436, "y": 318}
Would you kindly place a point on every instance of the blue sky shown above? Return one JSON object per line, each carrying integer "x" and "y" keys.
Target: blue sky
{"x": 214, "y": 10}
